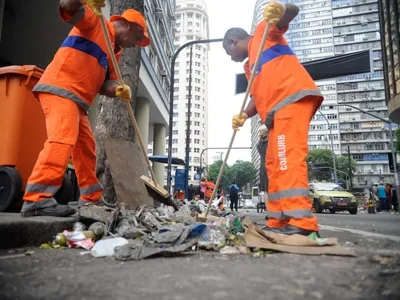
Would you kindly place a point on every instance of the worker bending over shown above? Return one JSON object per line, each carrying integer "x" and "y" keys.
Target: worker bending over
{"x": 81, "y": 69}
{"x": 285, "y": 98}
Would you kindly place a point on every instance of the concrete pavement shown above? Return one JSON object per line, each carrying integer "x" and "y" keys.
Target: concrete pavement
{"x": 16, "y": 231}
{"x": 66, "y": 274}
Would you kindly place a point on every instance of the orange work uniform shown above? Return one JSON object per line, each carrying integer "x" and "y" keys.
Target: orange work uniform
{"x": 286, "y": 98}
{"x": 66, "y": 91}
{"x": 209, "y": 190}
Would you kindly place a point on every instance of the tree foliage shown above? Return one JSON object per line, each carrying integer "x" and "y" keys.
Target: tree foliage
{"x": 324, "y": 157}
{"x": 243, "y": 171}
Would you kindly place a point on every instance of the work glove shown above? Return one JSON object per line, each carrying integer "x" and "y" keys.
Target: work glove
{"x": 95, "y": 5}
{"x": 124, "y": 93}
{"x": 273, "y": 12}
{"x": 238, "y": 121}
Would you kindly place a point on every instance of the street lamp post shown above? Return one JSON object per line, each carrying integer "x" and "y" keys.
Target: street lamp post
{"x": 396, "y": 175}
{"x": 171, "y": 100}
{"x": 333, "y": 149}
{"x": 187, "y": 167}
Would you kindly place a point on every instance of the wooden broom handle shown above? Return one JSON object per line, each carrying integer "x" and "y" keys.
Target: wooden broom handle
{"x": 128, "y": 105}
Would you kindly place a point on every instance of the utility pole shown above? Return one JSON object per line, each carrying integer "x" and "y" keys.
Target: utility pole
{"x": 350, "y": 167}
{"x": 189, "y": 97}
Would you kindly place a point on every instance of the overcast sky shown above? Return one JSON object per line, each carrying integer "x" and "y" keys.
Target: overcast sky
{"x": 222, "y": 102}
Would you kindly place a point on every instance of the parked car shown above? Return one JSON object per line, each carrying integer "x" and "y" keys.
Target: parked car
{"x": 331, "y": 196}
{"x": 246, "y": 201}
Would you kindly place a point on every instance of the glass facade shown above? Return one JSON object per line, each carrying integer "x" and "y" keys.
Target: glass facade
{"x": 327, "y": 28}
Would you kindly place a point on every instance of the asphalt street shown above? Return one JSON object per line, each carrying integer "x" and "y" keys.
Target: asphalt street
{"x": 374, "y": 274}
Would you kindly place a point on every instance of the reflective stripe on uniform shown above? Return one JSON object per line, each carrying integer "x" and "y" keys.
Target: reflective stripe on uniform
{"x": 79, "y": 15}
{"x": 41, "y": 188}
{"x": 287, "y": 214}
{"x": 91, "y": 189}
{"x": 272, "y": 53}
{"x": 52, "y": 89}
{"x": 88, "y": 47}
{"x": 289, "y": 193}
{"x": 269, "y": 120}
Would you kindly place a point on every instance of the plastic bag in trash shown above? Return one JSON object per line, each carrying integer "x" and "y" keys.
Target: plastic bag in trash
{"x": 213, "y": 235}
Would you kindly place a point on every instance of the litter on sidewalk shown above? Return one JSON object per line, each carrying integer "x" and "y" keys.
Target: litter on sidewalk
{"x": 148, "y": 231}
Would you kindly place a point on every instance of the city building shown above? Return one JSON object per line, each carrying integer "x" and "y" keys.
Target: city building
{"x": 310, "y": 37}
{"x": 390, "y": 36}
{"x": 355, "y": 28}
{"x": 31, "y": 34}
{"x": 323, "y": 29}
{"x": 191, "y": 24}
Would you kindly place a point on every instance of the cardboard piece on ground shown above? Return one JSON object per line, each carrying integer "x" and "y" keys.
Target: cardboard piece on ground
{"x": 158, "y": 189}
{"x": 126, "y": 164}
{"x": 255, "y": 237}
{"x": 209, "y": 219}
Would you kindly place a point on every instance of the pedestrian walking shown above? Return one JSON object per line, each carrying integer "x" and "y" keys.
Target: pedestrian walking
{"x": 202, "y": 187}
{"x": 234, "y": 195}
{"x": 382, "y": 196}
{"x": 395, "y": 201}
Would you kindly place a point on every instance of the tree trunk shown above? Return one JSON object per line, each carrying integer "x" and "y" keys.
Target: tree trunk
{"x": 112, "y": 117}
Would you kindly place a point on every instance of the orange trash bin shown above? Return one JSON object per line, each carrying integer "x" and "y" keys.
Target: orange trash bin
{"x": 22, "y": 130}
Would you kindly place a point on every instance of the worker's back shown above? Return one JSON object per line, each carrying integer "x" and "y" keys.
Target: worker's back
{"x": 80, "y": 66}
{"x": 280, "y": 76}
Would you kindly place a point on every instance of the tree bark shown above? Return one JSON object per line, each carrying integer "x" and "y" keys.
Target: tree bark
{"x": 112, "y": 117}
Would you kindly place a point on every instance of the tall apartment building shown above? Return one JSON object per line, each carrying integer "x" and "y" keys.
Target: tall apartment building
{"x": 39, "y": 29}
{"x": 390, "y": 23}
{"x": 310, "y": 37}
{"x": 355, "y": 28}
{"x": 323, "y": 29}
{"x": 191, "y": 24}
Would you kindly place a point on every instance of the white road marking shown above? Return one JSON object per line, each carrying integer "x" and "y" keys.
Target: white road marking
{"x": 361, "y": 232}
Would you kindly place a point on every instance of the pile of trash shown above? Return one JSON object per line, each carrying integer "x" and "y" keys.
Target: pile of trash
{"x": 147, "y": 231}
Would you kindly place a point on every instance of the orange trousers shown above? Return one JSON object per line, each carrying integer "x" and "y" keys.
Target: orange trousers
{"x": 288, "y": 190}
{"x": 68, "y": 133}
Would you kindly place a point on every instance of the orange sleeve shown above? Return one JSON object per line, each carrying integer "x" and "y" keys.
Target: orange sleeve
{"x": 275, "y": 33}
{"x": 247, "y": 70}
{"x": 111, "y": 76}
{"x": 83, "y": 19}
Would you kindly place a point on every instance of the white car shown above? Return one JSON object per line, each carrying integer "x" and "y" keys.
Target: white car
{"x": 247, "y": 201}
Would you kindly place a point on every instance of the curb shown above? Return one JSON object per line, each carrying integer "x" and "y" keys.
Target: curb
{"x": 16, "y": 231}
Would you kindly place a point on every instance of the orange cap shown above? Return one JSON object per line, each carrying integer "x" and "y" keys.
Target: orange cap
{"x": 134, "y": 16}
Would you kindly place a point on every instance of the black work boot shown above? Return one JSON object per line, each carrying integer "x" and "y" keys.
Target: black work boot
{"x": 46, "y": 207}
{"x": 290, "y": 230}
{"x": 101, "y": 202}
